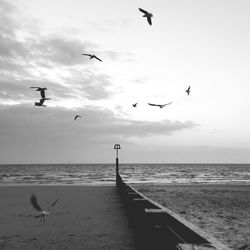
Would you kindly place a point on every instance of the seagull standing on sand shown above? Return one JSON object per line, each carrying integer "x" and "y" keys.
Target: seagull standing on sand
{"x": 41, "y": 213}
{"x": 188, "y": 90}
{"x": 40, "y": 103}
{"x": 147, "y": 15}
{"x": 134, "y": 105}
{"x": 159, "y": 105}
{"x": 77, "y": 116}
{"x": 42, "y": 91}
{"x": 92, "y": 56}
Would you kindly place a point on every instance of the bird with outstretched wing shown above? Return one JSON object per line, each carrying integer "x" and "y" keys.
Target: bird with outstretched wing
{"x": 53, "y": 204}
{"x": 147, "y": 15}
{"x": 159, "y": 105}
{"x": 77, "y": 116}
{"x": 42, "y": 91}
{"x": 41, "y": 102}
{"x": 41, "y": 213}
{"x": 188, "y": 90}
{"x": 92, "y": 56}
{"x": 34, "y": 203}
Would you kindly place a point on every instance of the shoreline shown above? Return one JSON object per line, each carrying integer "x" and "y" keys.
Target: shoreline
{"x": 57, "y": 184}
{"x": 135, "y": 184}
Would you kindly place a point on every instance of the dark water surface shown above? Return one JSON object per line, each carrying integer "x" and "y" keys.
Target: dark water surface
{"x": 96, "y": 174}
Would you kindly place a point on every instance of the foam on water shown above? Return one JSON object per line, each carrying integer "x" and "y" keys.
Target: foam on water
{"x": 132, "y": 173}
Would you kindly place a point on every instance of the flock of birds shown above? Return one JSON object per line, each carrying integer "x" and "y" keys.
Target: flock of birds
{"x": 161, "y": 105}
{"x": 43, "y": 98}
{"x": 33, "y": 199}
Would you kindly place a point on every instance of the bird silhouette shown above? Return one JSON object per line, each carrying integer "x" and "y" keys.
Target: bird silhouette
{"x": 42, "y": 91}
{"x": 41, "y": 213}
{"x": 92, "y": 56}
{"x": 147, "y": 15}
{"x": 77, "y": 116}
{"x": 188, "y": 90}
{"x": 134, "y": 105}
{"x": 41, "y": 102}
{"x": 159, "y": 105}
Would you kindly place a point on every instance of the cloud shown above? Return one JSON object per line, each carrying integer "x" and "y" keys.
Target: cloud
{"x": 15, "y": 90}
{"x": 189, "y": 154}
{"x": 19, "y": 42}
{"x": 81, "y": 86}
{"x": 94, "y": 123}
{"x": 53, "y": 61}
{"x": 118, "y": 56}
{"x": 102, "y": 122}
{"x": 58, "y": 50}
{"x": 45, "y": 51}
{"x": 10, "y": 47}
{"x": 26, "y": 131}
{"x": 8, "y": 24}
{"x": 90, "y": 84}
{"x": 23, "y": 47}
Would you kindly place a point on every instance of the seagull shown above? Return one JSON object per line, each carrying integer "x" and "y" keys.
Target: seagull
{"x": 76, "y": 117}
{"x": 159, "y": 105}
{"x": 42, "y": 90}
{"x": 147, "y": 15}
{"x": 92, "y": 56}
{"x": 40, "y": 103}
{"x": 134, "y": 105}
{"x": 188, "y": 90}
{"x": 41, "y": 213}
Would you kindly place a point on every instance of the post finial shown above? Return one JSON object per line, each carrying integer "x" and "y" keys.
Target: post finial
{"x": 117, "y": 147}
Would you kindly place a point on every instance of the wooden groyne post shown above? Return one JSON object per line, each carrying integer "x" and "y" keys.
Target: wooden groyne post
{"x": 117, "y": 147}
{"x": 157, "y": 227}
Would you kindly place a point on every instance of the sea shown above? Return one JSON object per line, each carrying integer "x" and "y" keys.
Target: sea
{"x": 104, "y": 174}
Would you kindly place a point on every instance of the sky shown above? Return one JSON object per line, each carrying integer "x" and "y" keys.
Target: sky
{"x": 204, "y": 44}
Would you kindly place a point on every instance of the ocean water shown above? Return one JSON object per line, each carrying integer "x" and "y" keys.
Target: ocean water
{"x": 103, "y": 174}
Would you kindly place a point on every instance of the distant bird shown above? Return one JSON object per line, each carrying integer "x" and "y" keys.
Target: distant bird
{"x": 92, "y": 56}
{"x": 77, "y": 116}
{"x": 40, "y": 103}
{"x": 159, "y": 105}
{"x": 41, "y": 213}
{"x": 42, "y": 90}
{"x": 188, "y": 90}
{"x": 134, "y": 105}
{"x": 147, "y": 15}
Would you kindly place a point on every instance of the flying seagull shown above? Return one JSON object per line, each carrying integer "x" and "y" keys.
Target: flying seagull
{"x": 77, "y": 116}
{"x": 134, "y": 105}
{"x": 188, "y": 90}
{"x": 147, "y": 15}
{"x": 92, "y": 56}
{"x": 40, "y": 103}
{"x": 159, "y": 105}
{"x": 41, "y": 213}
{"x": 42, "y": 90}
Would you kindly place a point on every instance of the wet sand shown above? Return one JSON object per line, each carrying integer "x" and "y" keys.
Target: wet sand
{"x": 85, "y": 217}
{"x": 221, "y": 210}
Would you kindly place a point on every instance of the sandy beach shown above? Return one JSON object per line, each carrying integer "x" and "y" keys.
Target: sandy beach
{"x": 221, "y": 210}
{"x": 93, "y": 217}
{"x": 85, "y": 217}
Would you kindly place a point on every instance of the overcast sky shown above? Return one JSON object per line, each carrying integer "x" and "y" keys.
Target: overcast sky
{"x": 201, "y": 43}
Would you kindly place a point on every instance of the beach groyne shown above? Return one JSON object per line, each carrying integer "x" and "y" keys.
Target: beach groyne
{"x": 157, "y": 227}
